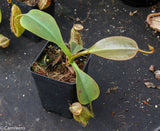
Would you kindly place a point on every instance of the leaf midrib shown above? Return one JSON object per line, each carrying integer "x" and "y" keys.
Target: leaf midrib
{"x": 91, "y": 50}
{"x": 42, "y": 26}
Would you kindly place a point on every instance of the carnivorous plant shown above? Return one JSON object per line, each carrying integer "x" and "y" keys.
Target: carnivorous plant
{"x": 114, "y": 48}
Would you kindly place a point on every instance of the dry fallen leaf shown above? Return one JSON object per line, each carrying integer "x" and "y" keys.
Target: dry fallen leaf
{"x": 151, "y": 85}
{"x": 132, "y": 13}
{"x": 111, "y": 89}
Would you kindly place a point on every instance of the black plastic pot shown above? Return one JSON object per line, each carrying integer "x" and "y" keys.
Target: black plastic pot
{"x": 56, "y": 96}
{"x": 140, "y": 2}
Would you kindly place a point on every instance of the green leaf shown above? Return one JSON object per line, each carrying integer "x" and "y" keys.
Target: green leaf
{"x": 44, "y": 26}
{"x": 16, "y": 28}
{"x": 0, "y": 16}
{"x": 115, "y": 48}
{"x": 75, "y": 42}
{"x": 87, "y": 88}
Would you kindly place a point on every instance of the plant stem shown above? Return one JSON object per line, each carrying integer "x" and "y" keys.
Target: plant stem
{"x": 65, "y": 49}
{"x": 78, "y": 55}
{"x": 91, "y": 108}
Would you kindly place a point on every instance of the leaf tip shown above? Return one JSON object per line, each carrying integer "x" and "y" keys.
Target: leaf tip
{"x": 151, "y": 48}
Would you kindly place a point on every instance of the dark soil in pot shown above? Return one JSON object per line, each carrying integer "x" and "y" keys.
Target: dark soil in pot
{"x": 140, "y": 2}
{"x": 53, "y": 64}
{"x": 55, "y": 79}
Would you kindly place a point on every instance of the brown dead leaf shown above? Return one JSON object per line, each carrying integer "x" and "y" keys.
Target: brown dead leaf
{"x": 111, "y": 89}
{"x": 150, "y": 85}
{"x": 132, "y": 13}
{"x": 70, "y": 68}
{"x": 58, "y": 59}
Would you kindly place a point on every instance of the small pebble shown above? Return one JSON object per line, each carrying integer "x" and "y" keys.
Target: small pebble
{"x": 151, "y": 68}
{"x": 37, "y": 119}
{"x": 153, "y": 11}
{"x": 156, "y": 106}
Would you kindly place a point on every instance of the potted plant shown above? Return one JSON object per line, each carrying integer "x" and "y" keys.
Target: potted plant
{"x": 86, "y": 90}
{"x": 140, "y": 2}
{"x": 56, "y": 87}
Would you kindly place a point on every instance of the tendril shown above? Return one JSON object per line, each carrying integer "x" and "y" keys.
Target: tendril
{"x": 148, "y": 52}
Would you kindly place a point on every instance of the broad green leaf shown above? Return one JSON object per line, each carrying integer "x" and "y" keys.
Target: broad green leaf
{"x": 0, "y": 16}
{"x": 75, "y": 42}
{"x": 44, "y": 26}
{"x": 87, "y": 88}
{"x": 115, "y": 48}
{"x": 16, "y": 28}
{"x": 4, "y": 41}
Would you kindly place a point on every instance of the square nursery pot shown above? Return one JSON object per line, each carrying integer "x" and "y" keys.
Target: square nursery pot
{"x": 140, "y": 2}
{"x": 56, "y": 96}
